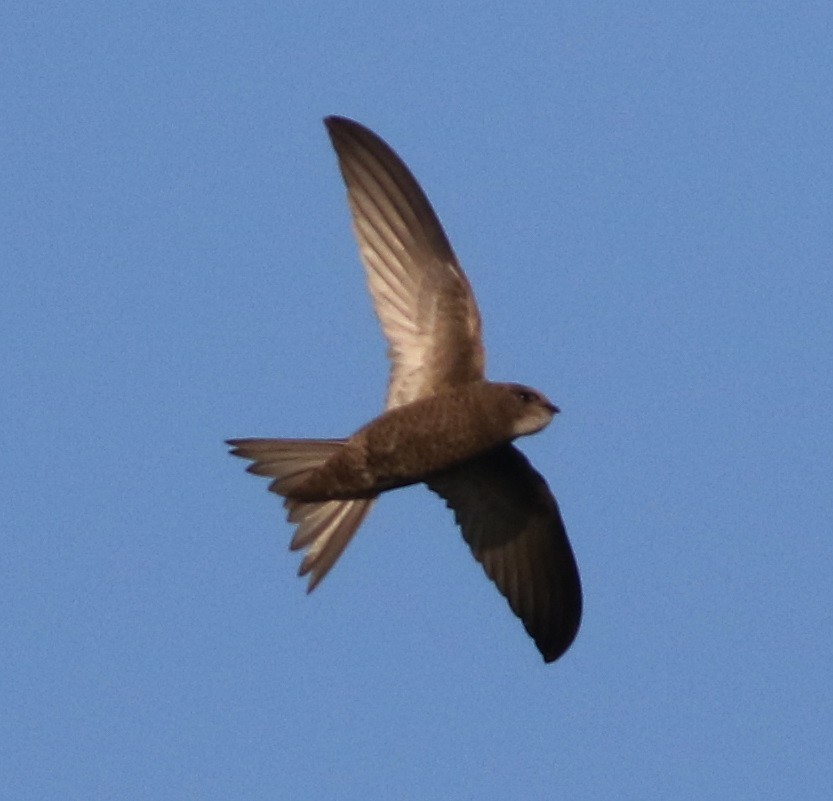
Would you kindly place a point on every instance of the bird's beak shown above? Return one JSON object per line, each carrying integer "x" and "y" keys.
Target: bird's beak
{"x": 553, "y": 408}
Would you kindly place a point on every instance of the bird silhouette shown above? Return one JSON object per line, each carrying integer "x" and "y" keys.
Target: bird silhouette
{"x": 444, "y": 424}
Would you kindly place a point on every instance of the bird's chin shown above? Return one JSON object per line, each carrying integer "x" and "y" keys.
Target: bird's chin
{"x": 532, "y": 423}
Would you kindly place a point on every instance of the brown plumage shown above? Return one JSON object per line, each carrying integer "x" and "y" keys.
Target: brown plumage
{"x": 444, "y": 423}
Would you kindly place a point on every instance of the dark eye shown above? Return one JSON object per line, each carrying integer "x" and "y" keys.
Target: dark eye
{"x": 526, "y": 396}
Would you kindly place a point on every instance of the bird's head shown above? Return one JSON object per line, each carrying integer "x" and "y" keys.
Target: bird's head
{"x": 530, "y": 410}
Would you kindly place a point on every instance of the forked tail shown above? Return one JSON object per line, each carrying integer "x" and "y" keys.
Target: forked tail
{"x": 324, "y": 528}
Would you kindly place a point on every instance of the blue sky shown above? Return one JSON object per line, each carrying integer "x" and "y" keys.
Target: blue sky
{"x": 641, "y": 195}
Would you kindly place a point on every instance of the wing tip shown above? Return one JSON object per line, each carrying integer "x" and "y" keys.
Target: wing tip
{"x": 338, "y": 126}
{"x": 555, "y": 642}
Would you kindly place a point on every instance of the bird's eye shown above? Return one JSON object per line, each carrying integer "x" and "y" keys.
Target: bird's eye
{"x": 526, "y": 396}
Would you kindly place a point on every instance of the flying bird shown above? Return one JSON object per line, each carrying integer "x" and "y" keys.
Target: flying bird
{"x": 444, "y": 424}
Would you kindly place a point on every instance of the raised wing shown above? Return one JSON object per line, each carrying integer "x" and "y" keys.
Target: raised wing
{"x": 511, "y": 522}
{"x": 421, "y": 295}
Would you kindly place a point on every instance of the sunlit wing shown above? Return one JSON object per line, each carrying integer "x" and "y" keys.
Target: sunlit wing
{"x": 421, "y": 295}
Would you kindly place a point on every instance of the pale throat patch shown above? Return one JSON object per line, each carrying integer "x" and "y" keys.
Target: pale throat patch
{"x": 532, "y": 422}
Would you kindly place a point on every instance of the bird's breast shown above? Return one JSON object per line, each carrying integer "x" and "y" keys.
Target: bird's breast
{"x": 407, "y": 444}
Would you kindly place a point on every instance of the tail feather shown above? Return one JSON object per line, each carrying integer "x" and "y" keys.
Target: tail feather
{"x": 324, "y": 528}
{"x": 288, "y": 461}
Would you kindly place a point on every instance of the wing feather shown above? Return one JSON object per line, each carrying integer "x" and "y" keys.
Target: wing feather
{"x": 421, "y": 295}
{"x": 512, "y": 524}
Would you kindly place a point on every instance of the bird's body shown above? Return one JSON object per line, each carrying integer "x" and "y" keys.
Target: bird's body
{"x": 444, "y": 425}
{"x": 408, "y": 443}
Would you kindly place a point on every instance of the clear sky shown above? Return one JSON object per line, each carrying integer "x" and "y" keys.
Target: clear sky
{"x": 642, "y": 197}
